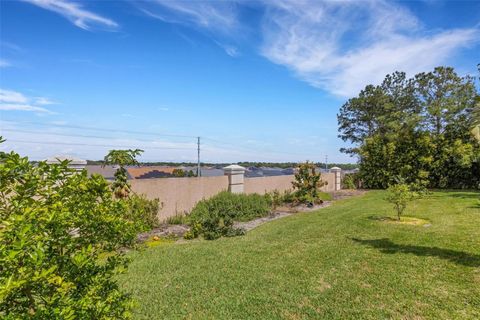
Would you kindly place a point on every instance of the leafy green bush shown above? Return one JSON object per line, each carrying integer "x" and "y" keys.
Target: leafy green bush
{"x": 214, "y": 217}
{"x": 348, "y": 181}
{"x": 292, "y": 198}
{"x": 274, "y": 198}
{"x": 142, "y": 212}
{"x": 60, "y": 232}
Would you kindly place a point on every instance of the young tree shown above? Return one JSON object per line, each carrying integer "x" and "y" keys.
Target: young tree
{"x": 399, "y": 195}
{"x": 122, "y": 158}
{"x": 307, "y": 183}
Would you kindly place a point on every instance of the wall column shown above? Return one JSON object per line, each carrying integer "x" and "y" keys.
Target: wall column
{"x": 236, "y": 175}
{"x": 338, "y": 178}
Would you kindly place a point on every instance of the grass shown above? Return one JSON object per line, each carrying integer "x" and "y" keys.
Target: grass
{"x": 325, "y": 196}
{"x": 341, "y": 262}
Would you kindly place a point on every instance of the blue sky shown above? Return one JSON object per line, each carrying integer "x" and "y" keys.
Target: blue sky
{"x": 257, "y": 80}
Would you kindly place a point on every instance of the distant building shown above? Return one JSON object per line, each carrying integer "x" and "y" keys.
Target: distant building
{"x": 150, "y": 172}
{"x": 255, "y": 172}
{"x": 75, "y": 163}
{"x": 108, "y": 172}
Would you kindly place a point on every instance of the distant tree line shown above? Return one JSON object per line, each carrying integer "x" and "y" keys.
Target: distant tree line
{"x": 283, "y": 165}
{"x": 416, "y": 130}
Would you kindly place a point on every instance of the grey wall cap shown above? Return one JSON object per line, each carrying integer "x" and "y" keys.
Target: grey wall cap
{"x": 335, "y": 169}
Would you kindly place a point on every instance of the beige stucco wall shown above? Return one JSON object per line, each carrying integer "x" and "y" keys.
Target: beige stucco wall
{"x": 281, "y": 183}
{"x": 179, "y": 195}
{"x": 262, "y": 185}
{"x": 330, "y": 178}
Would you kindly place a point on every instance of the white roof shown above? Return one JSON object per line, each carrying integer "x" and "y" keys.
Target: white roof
{"x": 73, "y": 160}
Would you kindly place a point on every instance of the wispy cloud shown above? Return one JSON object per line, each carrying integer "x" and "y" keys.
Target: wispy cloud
{"x": 75, "y": 12}
{"x": 44, "y": 101}
{"x": 219, "y": 18}
{"x": 218, "y": 15}
{"x": 342, "y": 46}
{"x": 10, "y": 96}
{"x": 22, "y": 107}
{"x": 15, "y": 101}
{"x": 338, "y": 46}
{"x": 231, "y": 50}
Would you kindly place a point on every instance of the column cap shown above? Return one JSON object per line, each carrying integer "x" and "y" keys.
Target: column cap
{"x": 335, "y": 169}
{"x": 234, "y": 168}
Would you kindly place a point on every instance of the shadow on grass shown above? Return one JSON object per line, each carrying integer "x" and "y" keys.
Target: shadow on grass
{"x": 385, "y": 245}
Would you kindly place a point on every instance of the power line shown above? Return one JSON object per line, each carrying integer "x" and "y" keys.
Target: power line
{"x": 226, "y": 145}
{"x": 94, "y": 145}
{"x": 104, "y": 129}
{"x": 67, "y": 135}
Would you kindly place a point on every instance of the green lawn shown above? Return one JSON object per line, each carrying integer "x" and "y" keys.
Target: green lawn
{"x": 340, "y": 262}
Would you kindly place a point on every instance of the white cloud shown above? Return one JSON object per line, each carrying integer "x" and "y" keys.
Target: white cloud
{"x": 74, "y": 12}
{"x": 43, "y": 101}
{"x": 342, "y": 46}
{"x": 22, "y": 107}
{"x": 12, "y": 96}
{"x": 16, "y": 101}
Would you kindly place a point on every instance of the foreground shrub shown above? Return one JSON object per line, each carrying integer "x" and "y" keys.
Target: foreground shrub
{"x": 214, "y": 217}
{"x": 142, "y": 212}
{"x": 60, "y": 232}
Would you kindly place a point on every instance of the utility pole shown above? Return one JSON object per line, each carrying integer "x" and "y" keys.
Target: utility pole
{"x": 326, "y": 163}
{"x": 199, "y": 173}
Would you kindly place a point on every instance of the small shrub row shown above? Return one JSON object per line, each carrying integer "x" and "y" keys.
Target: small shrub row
{"x": 214, "y": 217}
{"x": 350, "y": 181}
{"x": 177, "y": 219}
{"x": 142, "y": 212}
{"x": 294, "y": 198}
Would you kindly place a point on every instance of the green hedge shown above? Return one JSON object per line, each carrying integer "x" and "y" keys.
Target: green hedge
{"x": 142, "y": 212}
{"x": 214, "y": 217}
